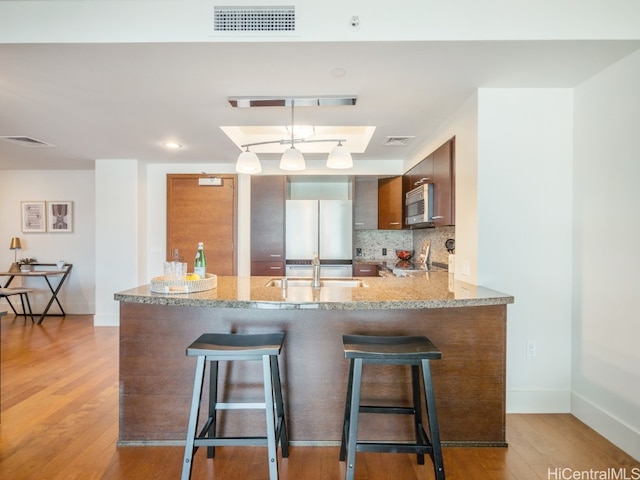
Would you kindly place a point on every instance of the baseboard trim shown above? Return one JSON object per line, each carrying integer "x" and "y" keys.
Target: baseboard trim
{"x": 538, "y": 401}
{"x": 613, "y": 429}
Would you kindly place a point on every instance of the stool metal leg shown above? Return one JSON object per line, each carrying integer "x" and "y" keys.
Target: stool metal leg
{"x": 417, "y": 410}
{"x": 434, "y": 430}
{"x": 281, "y": 430}
{"x": 352, "y": 434}
{"x": 347, "y": 416}
{"x": 269, "y": 411}
{"x": 193, "y": 418}
{"x": 213, "y": 399}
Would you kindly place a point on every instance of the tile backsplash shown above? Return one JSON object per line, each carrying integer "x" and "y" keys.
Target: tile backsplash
{"x": 372, "y": 242}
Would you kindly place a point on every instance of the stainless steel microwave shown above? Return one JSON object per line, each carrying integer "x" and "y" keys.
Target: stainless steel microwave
{"x": 419, "y": 205}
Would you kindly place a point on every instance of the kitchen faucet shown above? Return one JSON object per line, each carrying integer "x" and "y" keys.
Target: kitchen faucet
{"x": 315, "y": 263}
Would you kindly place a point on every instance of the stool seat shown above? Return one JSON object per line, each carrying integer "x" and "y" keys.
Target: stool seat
{"x": 389, "y": 348}
{"x": 212, "y": 348}
{"x": 413, "y": 351}
{"x": 236, "y": 344}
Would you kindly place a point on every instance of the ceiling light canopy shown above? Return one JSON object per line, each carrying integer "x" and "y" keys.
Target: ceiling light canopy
{"x": 292, "y": 158}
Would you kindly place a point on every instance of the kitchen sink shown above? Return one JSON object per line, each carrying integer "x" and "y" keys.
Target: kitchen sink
{"x": 324, "y": 282}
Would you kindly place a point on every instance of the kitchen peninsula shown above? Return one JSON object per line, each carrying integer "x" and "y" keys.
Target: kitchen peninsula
{"x": 466, "y": 322}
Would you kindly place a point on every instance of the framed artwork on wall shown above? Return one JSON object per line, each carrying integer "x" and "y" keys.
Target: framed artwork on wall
{"x": 34, "y": 218}
{"x": 60, "y": 217}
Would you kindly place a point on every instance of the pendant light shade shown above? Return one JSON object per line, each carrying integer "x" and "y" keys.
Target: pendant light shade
{"x": 292, "y": 159}
{"x": 339, "y": 157}
{"x": 248, "y": 162}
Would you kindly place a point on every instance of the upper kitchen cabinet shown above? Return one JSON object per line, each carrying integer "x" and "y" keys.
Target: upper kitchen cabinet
{"x": 438, "y": 168}
{"x": 390, "y": 203}
{"x": 365, "y": 203}
{"x": 267, "y": 224}
{"x": 418, "y": 175}
{"x": 444, "y": 184}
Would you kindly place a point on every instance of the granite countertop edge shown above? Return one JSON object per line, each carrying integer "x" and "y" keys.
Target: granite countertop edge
{"x": 437, "y": 291}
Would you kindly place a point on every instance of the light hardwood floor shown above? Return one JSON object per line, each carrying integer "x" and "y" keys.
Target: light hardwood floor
{"x": 60, "y": 421}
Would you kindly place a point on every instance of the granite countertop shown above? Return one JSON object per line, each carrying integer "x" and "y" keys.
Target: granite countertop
{"x": 429, "y": 290}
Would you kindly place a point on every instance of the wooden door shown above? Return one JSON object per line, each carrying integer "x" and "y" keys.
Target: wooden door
{"x": 203, "y": 213}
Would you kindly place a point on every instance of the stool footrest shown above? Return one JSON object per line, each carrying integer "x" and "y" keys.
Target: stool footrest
{"x": 240, "y": 406}
{"x": 393, "y": 447}
{"x": 387, "y": 409}
{"x": 230, "y": 441}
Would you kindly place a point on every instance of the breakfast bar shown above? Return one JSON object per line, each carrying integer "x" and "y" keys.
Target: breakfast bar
{"x": 466, "y": 322}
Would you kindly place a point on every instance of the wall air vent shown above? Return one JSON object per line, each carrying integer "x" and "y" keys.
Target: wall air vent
{"x": 258, "y": 19}
{"x": 25, "y": 141}
{"x": 397, "y": 141}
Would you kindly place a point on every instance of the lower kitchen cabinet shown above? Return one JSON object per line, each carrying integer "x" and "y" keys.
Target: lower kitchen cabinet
{"x": 267, "y": 269}
{"x": 365, "y": 270}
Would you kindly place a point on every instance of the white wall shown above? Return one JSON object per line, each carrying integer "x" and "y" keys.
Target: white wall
{"x": 524, "y": 235}
{"x": 77, "y": 247}
{"x": 606, "y": 323}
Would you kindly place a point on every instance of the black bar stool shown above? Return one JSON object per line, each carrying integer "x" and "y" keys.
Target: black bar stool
{"x": 213, "y": 348}
{"x": 416, "y": 351}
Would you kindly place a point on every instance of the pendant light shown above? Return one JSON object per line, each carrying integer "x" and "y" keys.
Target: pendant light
{"x": 292, "y": 158}
{"x": 339, "y": 157}
{"x": 248, "y": 162}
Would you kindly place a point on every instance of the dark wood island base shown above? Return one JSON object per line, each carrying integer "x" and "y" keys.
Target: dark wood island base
{"x": 156, "y": 377}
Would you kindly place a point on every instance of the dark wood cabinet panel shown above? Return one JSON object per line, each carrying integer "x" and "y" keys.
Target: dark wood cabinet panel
{"x": 444, "y": 185}
{"x": 267, "y": 223}
{"x": 267, "y": 268}
{"x": 438, "y": 168}
{"x": 365, "y": 204}
{"x": 365, "y": 270}
{"x": 390, "y": 203}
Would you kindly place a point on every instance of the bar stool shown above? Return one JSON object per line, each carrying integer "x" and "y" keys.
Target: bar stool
{"x": 415, "y": 351}
{"x": 216, "y": 347}
{"x": 24, "y": 299}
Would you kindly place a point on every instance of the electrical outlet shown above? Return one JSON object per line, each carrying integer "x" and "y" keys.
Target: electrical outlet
{"x": 384, "y": 252}
{"x": 531, "y": 348}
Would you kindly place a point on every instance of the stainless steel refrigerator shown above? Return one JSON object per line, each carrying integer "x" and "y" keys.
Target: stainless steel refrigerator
{"x": 322, "y": 226}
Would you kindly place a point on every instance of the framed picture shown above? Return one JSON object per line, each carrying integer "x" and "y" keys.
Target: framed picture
{"x": 60, "y": 217}
{"x": 34, "y": 217}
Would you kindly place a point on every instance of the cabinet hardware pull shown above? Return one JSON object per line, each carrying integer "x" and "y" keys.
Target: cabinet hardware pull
{"x": 275, "y": 255}
{"x": 359, "y": 223}
{"x": 365, "y": 270}
{"x": 437, "y": 217}
{"x": 275, "y": 268}
{"x": 421, "y": 181}
{"x": 395, "y": 223}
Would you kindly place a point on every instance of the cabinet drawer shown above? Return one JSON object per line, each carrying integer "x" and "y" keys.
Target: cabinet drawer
{"x": 267, "y": 268}
{"x": 365, "y": 270}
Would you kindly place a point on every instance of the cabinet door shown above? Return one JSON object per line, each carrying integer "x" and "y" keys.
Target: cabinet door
{"x": 365, "y": 205}
{"x": 444, "y": 184}
{"x": 390, "y": 203}
{"x": 267, "y": 220}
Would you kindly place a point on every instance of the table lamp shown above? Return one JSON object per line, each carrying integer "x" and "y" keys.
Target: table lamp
{"x": 15, "y": 246}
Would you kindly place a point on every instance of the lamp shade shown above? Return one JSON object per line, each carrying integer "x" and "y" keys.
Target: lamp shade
{"x": 292, "y": 159}
{"x": 15, "y": 244}
{"x": 248, "y": 162}
{"x": 339, "y": 157}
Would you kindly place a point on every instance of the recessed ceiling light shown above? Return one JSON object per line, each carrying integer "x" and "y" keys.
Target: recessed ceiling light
{"x": 172, "y": 145}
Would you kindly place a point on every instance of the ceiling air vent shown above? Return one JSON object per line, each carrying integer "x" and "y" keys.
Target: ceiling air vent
{"x": 397, "y": 141}
{"x": 254, "y": 19}
{"x": 26, "y": 141}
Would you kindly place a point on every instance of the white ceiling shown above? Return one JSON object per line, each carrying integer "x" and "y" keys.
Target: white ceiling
{"x": 123, "y": 100}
